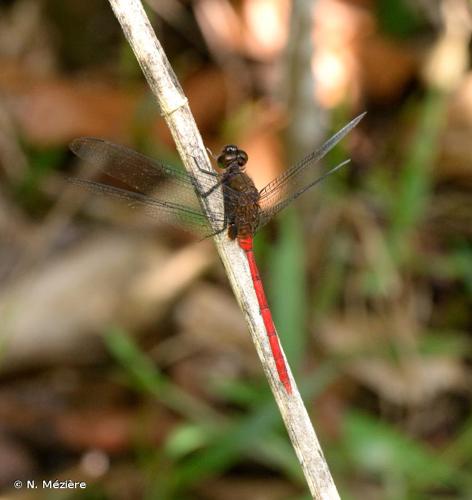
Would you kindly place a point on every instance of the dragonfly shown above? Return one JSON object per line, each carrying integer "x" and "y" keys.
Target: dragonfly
{"x": 171, "y": 195}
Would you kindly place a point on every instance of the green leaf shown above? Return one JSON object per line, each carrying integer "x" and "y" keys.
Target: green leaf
{"x": 397, "y": 17}
{"x": 379, "y": 449}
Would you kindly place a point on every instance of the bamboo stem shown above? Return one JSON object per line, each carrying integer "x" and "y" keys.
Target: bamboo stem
{"x": 176, "y": 112}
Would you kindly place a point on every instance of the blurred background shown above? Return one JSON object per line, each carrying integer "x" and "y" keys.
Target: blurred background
{"x": 126, "y": 362}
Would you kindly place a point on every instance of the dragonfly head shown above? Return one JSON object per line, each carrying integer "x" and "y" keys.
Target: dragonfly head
{"x": 230, "y": 155}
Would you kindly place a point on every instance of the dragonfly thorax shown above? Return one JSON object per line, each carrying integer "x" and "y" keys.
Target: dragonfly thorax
{"x": 232, "y": 156}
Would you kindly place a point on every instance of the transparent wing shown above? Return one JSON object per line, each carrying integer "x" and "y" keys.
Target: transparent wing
{"x": 192, "y": 220}
{"x": 267, "y": 213}
{"x": 140, "y": 172}
{"x": 292, "y": 183}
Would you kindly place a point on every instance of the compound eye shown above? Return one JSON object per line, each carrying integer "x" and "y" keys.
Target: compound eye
{"x": 242, "y": 157}
{"x": 227, "y": 155}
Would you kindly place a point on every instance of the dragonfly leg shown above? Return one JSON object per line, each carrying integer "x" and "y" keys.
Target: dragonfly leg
{"x": 223, "y": 228}
{"x": 210, "y": 152}
{"x": 205, "y": 194}
{"x": 232, "y": 231}
{"x": 219, "y": 231}
{"x": 223, "y": 180}
{"x": 204, "y": 171}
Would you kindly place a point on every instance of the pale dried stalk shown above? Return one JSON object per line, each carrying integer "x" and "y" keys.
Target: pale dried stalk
{"x": 176, "y": 112}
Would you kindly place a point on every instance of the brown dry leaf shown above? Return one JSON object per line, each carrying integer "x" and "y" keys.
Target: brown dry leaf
{"x": 65, "y": 408}
{"x": 449, "y": 56}
{"x": 160, "y": 281}
{"x": 16, "y": 461}
{"x": 25, "y": 36}
{"x": 12, "y": 159}
{"x": 210, "y": 316}
{"x": 110, "y": 430}
{"x": 451, "y": 214}
{"x": 386, "y": 67}
{"x": 52, "y": 110}
{"x": 410, "y": 379}
{"x": 456, "y": 146}
{"x": 113, "y": 430}
{"x": 259, "y": 31}
{"x": 207, "y": 94}
{"x": 211, "y": 323}
{"x": 266, "y": 25}
{"x": 51, "y": 313}
{"x": 220, "y": 25}
{"x": 338, "y": 26}
{"x": 262, "y": 142}
{"x": 353, "y": 59}
{"x": 266, "y": 156}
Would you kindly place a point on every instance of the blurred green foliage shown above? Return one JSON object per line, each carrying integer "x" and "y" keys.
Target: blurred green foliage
{"x": 399, "y": 18}
{"x": 211, "y": 443}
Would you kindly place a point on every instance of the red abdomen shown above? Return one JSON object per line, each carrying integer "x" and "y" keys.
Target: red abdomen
{"x": 246, "y": 245}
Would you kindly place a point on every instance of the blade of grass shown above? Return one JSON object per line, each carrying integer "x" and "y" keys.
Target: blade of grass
{"x": 287, "y": 287}
{"x": 414, "y": 185}
{"x": 225, "y": 439}
{"x": 146, "y": 377}
{"x": 246, "y": 435}
{"x": 330, "y": 281}
{"x": 460, "y": 450}
{"x": 378, "y": 448}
